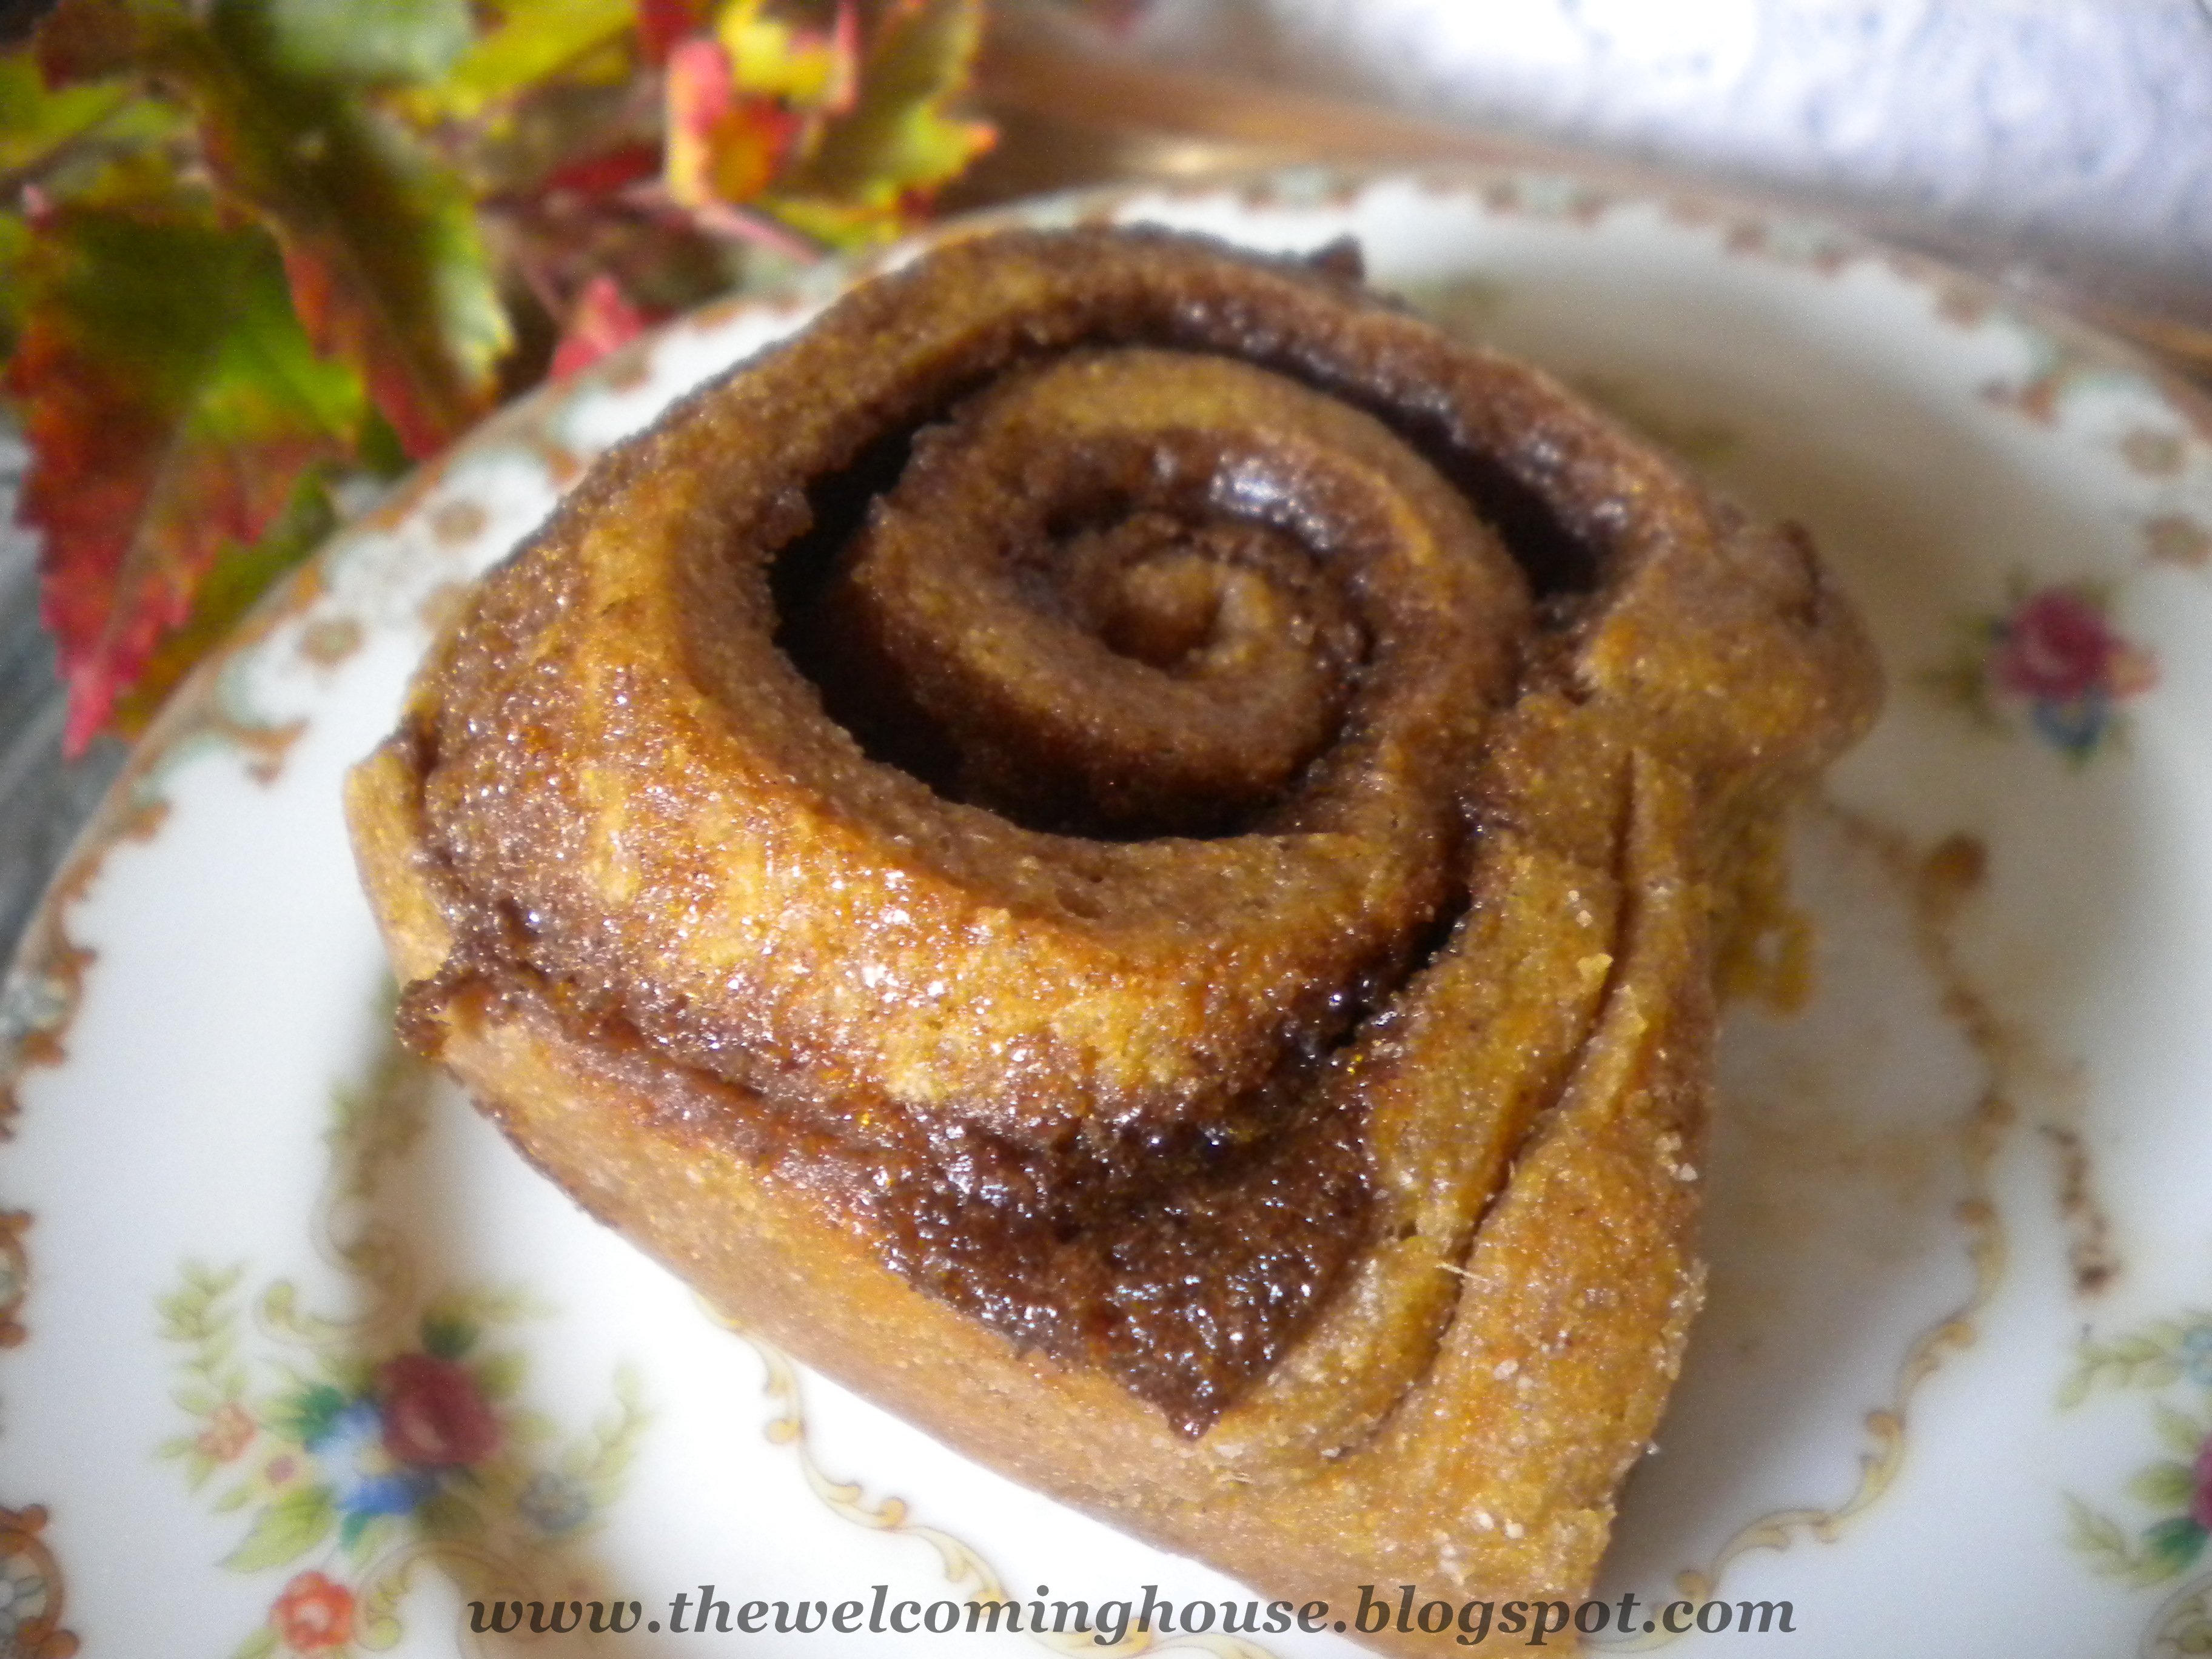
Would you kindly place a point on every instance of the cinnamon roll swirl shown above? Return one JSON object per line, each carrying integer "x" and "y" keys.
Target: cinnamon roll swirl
{"x": 1123, "y": 845}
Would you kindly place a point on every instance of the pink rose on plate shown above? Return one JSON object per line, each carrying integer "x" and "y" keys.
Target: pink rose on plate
{"x": 2056, "y": 647}
{"x": 435, "y": 1415}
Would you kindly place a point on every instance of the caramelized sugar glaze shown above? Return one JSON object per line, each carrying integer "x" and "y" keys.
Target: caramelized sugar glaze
{"x": 1130, "y": 772}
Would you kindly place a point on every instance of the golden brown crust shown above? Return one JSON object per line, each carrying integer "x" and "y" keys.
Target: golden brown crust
{"x": 1412, "y": 1045}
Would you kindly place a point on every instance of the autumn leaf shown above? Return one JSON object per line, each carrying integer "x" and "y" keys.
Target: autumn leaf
{"x": 771, "y": 58}
{"x": 662, "y": 23}
{"x": 89, "y": 39}
{"x": 387, "y": 270}
{"x": 602, "y": 318}
{"x": 774, "y": 128}
{"x": 743, "y": 101}
{"x": 534, "y": 42}
{"x": 369, "y": 43}
{"x": 723, "y": 145}
{"x": 896, "y": 144}
{"x": 603, "y": 173}
{"x": 173, "y": 405}
{"x": 241, "y": 573}
{"x": 35, "y": 123}
{"x": 56, "y": 141}
{"x": 335, "y": 200}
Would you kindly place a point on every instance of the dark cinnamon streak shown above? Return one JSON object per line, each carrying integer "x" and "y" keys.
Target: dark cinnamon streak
{"x": 1181, "y": 1268}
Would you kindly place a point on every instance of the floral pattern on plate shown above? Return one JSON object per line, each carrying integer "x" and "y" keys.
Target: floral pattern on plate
{"x": 375, "y": 1443}
{"x": 2054, "y": 653}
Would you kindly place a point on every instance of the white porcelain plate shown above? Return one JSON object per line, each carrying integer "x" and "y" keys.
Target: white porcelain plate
{"x": 301, "y": 1357}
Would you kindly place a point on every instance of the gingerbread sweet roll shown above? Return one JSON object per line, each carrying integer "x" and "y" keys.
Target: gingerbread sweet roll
{"x": 1122, "y": 844}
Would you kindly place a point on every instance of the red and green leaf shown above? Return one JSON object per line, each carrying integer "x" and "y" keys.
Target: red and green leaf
{"x": 58, "y": 138}
{"x": 173, "y": 405}
{"x": 36, "y": 124}
{"x": 388, "y": 271}
{"x": 241, "y": 573}
{"x": 602, "y": 318}
{"x": 387, "y": 268}
{"x": 193, "y": 367}
{"x": 875, "y": 164}
{"x": 724, "y": 145}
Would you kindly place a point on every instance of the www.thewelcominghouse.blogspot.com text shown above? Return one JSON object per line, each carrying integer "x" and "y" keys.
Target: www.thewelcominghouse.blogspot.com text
{"x": 1400, "y": 1608}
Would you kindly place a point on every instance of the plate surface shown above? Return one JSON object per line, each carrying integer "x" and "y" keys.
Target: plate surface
{"x": 299, "y": 1358}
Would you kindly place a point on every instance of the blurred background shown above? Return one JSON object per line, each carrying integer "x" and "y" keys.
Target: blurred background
{"x": 2062, "y": 147}
{"x": 2077, "y": 130}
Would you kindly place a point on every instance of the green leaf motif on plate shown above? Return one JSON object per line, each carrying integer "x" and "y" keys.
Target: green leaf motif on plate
{"x": 2165, "y": 1355}
{"x": 285, "y": 1530}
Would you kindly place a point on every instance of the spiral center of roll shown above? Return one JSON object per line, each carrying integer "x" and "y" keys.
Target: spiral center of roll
{"x": 1234, "y": 642}
{"x": 1128, "y": 593}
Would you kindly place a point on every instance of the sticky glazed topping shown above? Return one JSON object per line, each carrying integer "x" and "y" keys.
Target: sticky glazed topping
{"x": 1018, "y": 758}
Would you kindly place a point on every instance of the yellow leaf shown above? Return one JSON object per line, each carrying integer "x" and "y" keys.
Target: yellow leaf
{"x": 873, "y": 165}
{"x": 722, "y": 146}
{"x": 536, "y": 39}
{"x": 770, "y": 59}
